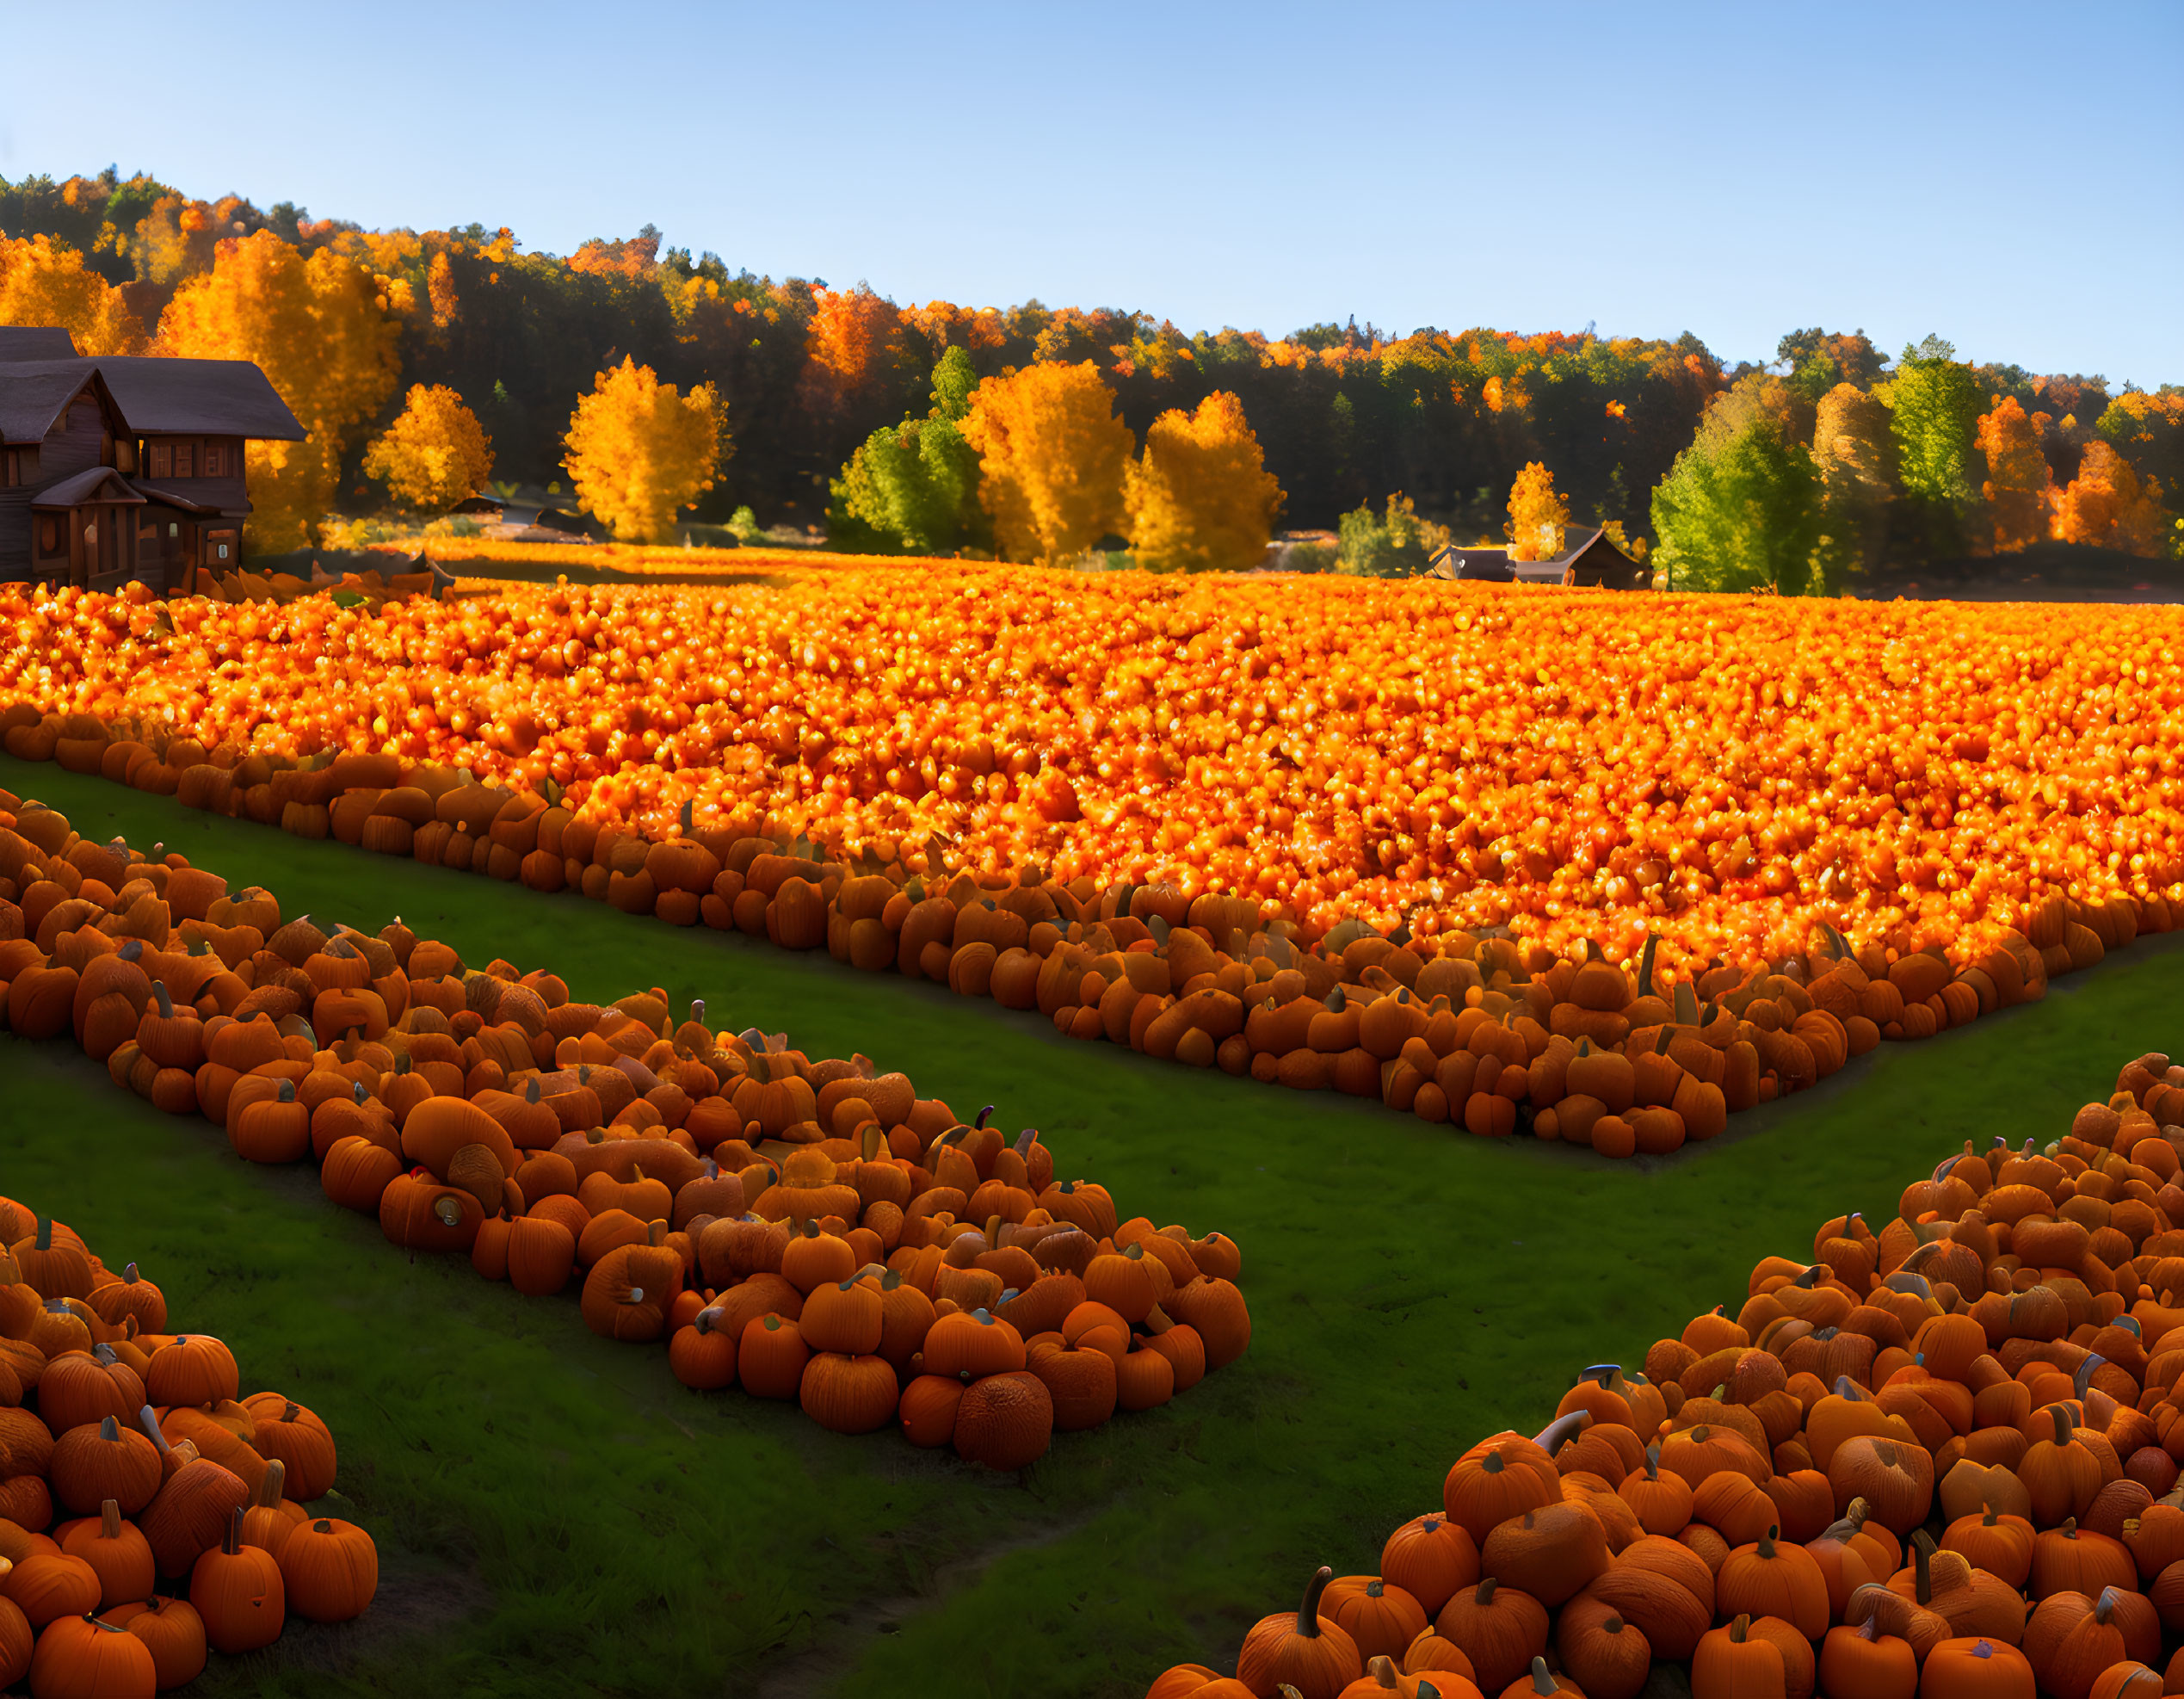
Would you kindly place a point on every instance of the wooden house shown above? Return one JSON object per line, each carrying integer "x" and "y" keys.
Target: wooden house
{"x": 1594, "y": 563}
{"x": 118, "y": 467}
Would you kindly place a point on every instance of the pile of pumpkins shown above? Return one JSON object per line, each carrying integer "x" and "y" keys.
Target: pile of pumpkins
{"x": 1940, "y": 1459}
{"x": 808, "y": 1230}
{"x": 148, "y": 1511}
{"x": 1475, "y": 1031}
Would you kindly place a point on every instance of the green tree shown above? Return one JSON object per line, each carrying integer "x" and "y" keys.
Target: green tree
{"x": 911, "y": 488}
{"x": 954, "y": 379}
{"x": 1395, "y": 544}
{"x": 1740, "y": 510}
{"x": 1933, "y": 405}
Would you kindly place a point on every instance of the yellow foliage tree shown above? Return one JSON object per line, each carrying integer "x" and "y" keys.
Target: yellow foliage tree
{"x": 1050, "y": 460}
{"x": 2109, "y": 504}
{"x": 41, "y": 284}
{"x": 434, "y": 453}
{"x": 1537, "y": 514}
{"x": 2020, "y": 489}
{"x": 1199, "y": 497}
{"x": 321, "y": 329}
{"x": 639, "y": 452}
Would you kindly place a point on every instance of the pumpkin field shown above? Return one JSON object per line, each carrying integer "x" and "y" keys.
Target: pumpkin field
{"x": 1488, "y": 988}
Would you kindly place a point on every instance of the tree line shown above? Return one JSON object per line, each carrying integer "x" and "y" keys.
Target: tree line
{"x": 836, "y": 405}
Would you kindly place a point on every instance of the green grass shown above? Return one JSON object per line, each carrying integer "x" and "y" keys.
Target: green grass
{"x": 562, "y": 1517}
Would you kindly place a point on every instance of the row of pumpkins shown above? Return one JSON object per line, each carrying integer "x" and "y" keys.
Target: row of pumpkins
{"x": 148, "y": 1511}
{"x": 1471, "y": 1031}
{"x": 1937, "y": 1460}
{"x": 1725, "y": 776}
{"x": 810, "y": 1231}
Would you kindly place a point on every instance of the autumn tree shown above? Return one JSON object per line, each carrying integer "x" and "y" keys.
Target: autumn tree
{"x": 2019, "y": 487}
{"x": 1856, "y": 456}
{"x": 2147, "y": 430}
{"x": 1933, "y": 405}
{"x": 2109, "y": 505}
{"x": 321, "y": 329}
{"x": 638, "y": 451}
{"x": 1537, "y": 514}
{"x": 434, "y": 453}
{"x": 1199, "y": 496}
{"x": 43, "y": 284}
{"x": 1050, "y": 460}
{"x": 1740, "y": 508}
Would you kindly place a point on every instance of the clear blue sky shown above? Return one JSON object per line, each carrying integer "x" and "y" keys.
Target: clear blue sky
{"x": 2007, "y": 175}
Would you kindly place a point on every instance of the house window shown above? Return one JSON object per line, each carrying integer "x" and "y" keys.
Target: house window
{"x": 9, "y": 475}
{"x": 162, "y": 460}
{"x": 216, "y": 460}
{"x": 182, "y": 461}
{"x": 173, "y": 529}
{"x": 223, "y": 551}
{"x": 48, "y": 533}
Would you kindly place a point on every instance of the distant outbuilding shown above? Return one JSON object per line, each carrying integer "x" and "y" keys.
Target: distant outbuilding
{"x": 1595, "y": 563}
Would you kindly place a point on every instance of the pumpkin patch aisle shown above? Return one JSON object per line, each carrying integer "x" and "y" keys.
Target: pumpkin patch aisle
{"x": 811, "y": 1230}
{"x": 1938, "y": 1459}
{"x": 148, "y": 1510}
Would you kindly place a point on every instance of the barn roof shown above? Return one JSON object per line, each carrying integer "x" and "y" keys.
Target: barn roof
{"x": 99, "y": 484}
{"x": 33, "y": 394}
{"x": 41, "y": 373}
{"x": 229, "y": 398}
{"x": 35, "y": 342}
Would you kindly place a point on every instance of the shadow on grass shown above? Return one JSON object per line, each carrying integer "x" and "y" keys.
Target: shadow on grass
{"x": 1412, "y": 1289}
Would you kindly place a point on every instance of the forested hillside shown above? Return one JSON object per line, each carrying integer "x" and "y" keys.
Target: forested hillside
{"x": 1830, "y": 459}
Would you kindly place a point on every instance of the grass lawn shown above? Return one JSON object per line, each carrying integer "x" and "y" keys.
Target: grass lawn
{"x": 562, "y": 1517}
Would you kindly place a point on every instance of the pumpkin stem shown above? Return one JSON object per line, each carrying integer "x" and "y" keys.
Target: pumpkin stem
{"x": 1485, "y": 1598}
{"x": 1766, "y": 1543}
{"x": 2062, "y": 1423}
{"x": 1740, "y": 1630}
{"x": 1541, "y": 1681}
{"x": 1562, "y": 1428}
{"x": 110, "y": 1432}
{"x": 272, "y": 1486}
{"x": 232, "y": 1541}
{"x": 109, "y": 1509}
{"x": 1308, "y": 1617}
{"x": 1923, "y": 1565}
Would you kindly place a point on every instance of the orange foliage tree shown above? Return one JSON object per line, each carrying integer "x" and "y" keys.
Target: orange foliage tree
{"x": 41, "y": 284}
{"x": 1201, "y": 498}
{"x": 638, "y": 451}
{"x": 322, "y": 331}
{"x": 434, "y": 453}
{"x": 2020, "y": 489}
{"x": 2109, "y": 504}
{"x": 1537, "y": 514}
{"x": 1050, "y": 455}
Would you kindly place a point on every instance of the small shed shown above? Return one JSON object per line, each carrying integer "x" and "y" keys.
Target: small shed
{"x": 1595, "y": 563}
{"x": 491, "y": 505}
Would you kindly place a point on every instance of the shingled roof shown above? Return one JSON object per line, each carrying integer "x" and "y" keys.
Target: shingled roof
{"x": 41, "y": 373}
{"x": 35, "y": 342}
{"x": 33, "y": 394}
{"x": 100, "y": 485}
{"x": 231, "y": 397}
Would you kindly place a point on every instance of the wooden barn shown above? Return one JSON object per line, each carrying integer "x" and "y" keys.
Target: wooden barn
{"x": 1594, "y": 563}
{"x": 119, "y": 468}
